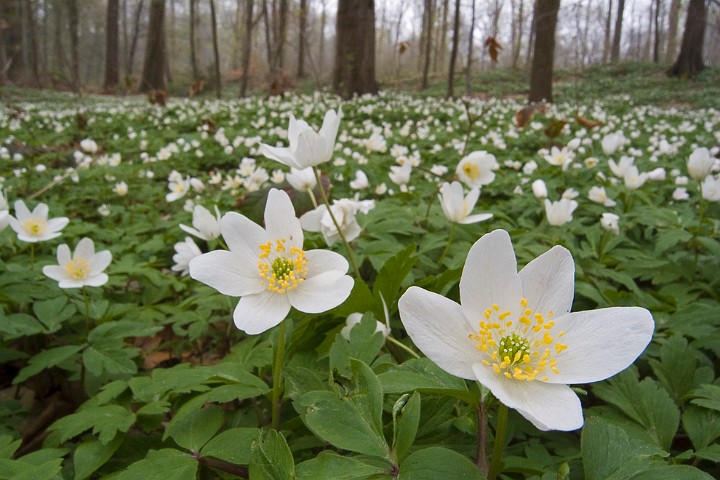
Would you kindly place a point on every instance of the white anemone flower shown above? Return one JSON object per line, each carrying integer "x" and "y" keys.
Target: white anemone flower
{"x": 319, "y": 220}
{"x": 514, "y": 333}
{"x": 619, "y": 169}
{"x": 598, "y": 195}
{"x": 307, "y": 148}
{"x": 560, "y": 157}
{"x": 700, "y": 163}
{"x": 361, "y": 181}
{"x": 560, "y": 212}
{"x": 633, "y": 178}
{"x": 84, "y": 268}
{"x": 710, "y": 188}
{"x": 457, "y": 206}
{"x": 539, "y": 189}
{"x": 477, "y": 169}
{"x": 269, "y": 270}
{"x": 184, "y": 252}
{"x": 178, "y": 189}
{"x": 610, "y": 222}
{"x": 35, "y": 226}
{"x": 302, "y": 180}
{"x": 206, "y": 225}
{"x": 4, "y": 211}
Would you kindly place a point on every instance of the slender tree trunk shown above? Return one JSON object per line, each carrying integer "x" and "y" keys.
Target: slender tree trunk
{"x": 617, "y": 36}
{"x": 302, "y": 14}
{"x": 531, "y": 37}
{"x": 454, "y": 51}
{"x": 608, "y": 32}
{"x": 193, "y": 43}
{"x": 673, "y": 20}
{"x": 32, "y": 44}
{"x": 441, "y": 54}
{"x": 656, "y": 44}
{"x": 74, "y": 23}
{"x": 468, "y": 69}
{"x": 321, "y": 49}
{"x": 111, "y": 46}
{"x": 520, "y": 29}
{"x": 247, "y": 47}
{"x": 125, "y": 36}
{"x": 133, "y": 43}
{"x": 541, "y": 72}
{"x": 428, "y": 42}
{"x": 281, "y": 37}
{"x": 153, "y": 76}
{"x": 690, "y": 59}
{"x": 355, "y": 48}
{"x": 58, "y": 63}
{"x": 268, "y": 37}
{"x": 216, "y": 50}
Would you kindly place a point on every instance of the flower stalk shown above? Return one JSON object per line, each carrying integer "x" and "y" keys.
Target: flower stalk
{"x": 277, "y": 377}
{"x": 499, "y": 441}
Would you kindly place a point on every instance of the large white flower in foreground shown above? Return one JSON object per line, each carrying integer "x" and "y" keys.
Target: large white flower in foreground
{"x": 514, "y": 333}
{"x": 269, "y": 270}
{"x": 35, "y": 226}
{"x": 83, "y": 268}
{"x": 307, "y": 148}
{"x": 457, "y": 206}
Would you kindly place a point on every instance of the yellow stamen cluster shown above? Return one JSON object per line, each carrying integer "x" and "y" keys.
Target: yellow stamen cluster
{"x": 471, "y": 170}
{"x": 287, "y": 269}
{"x": 522, "y": 348}
{"x": 77, "y": 269}
{"x": 35, "y": 226}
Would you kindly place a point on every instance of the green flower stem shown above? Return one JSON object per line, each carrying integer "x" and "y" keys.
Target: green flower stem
{"x": 702, "y": 206}
{"x": 277, "y": 368}
{"x": 451, "y": 236}
{"x": 312, "y": 197}
{"x": 351, "y": 257}
{"x": 397, "y": 342}
{"x": 87, "y": 310}
{"x": 481, "y": 459}
{"x": 32, "y": 257}
{"x": 499, "y": 440}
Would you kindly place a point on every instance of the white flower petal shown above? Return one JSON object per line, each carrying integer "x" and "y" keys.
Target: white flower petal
{"x": 242, "y": 235}
{"x": 84, "y": 249}
{"x": 321, "y": 261}
{"x": 68, "y": 282}
{"x": 55, "y": 272}
{"x": 600, "y": 342}
{"x": 548, "y": 282}
{"x": 227, "y": 272}
{"x": 63, "y": 255}
{"x": 480, "y": 217}
{"x": 41, "y": 210}
{"x": 99, "y": 262}
{"x": 22, "y": 212}
{"x": 280, "y": 220}
{"x": 279, "y": 154}
{"x": 96, "y": 280}
{"x": 322, "y": 292}
{"x": 310, "y": 221}
{"x": 548, "y": 406}
{"x": 439, "y": 329}
{"x": 56, "y": 224}
{"x": 331, "y": 123}
{"x": 257, "y": 313}
{"x": 311, "y": 150}
{"x": 490, "y": 276}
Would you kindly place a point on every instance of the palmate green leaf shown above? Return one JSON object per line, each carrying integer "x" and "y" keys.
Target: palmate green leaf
{"x": 707, "y": 396}
{"x": 608, "y": 451}
{"x": 18, "y": 325}
{"x": 115, "y": 361}
{"x": 165, "y": 464}
{"x": 673, "y": 472}
{"x": 233, "y": 445}
{"x": 644, "y": 402}
{"x": 194, "y": 429}
{"x": 104, "y": 420}
{"x": 52, "y": 357}
{"x": 271, "y": 458}
{"x": 331, "y": 466}
{"x": 438, "y": 463}
{"x": 8, "y": 446}
{"x": 351, "y": 420}
{"x": 701, "y": 425}
{"x": 53, "y": 312}
{"x": 18, "y": 470}
{"x": 390, "y": 278}
{"x": 406, "y": 418}
{"x": 711, "y": 453}
{"x": 93, "y": 454}
{"x": 677, "y": 366}
{"x": 364, "y": 345}
{"x": 422, "y": 374}
{"x": 122, "y": 329}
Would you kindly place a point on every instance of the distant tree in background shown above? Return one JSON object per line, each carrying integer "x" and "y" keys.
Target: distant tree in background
{"x": 454, "y": 51}
{"x": 690, "y": 59}
{"x": 541, "y": 71}
{"x": 74, "y": 24}
{"x": 112, "y": 41}
{"x": 216, "y": 50}
{"x": 355, "y": 48}
{"x": 153, "y": 74}
{"x": 617, "y": 35}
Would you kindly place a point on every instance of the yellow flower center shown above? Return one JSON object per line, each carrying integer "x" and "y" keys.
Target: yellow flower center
{"x": 35, "y": 226}
{"x": 471, "y": 170}
{"x": 77, "y": 269}
{"x": 282, "y": 269}
{"x": 522, "y": 348}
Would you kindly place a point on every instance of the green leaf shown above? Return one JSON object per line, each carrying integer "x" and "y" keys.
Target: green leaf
{"x": 351, "y": 420}
{"x": 390, "y": 278}
{"x": 331, "y": 466}
{"x": 423, "y": 375}
{"x": 707, "y": 396}
{"x": 271, "y": 458}
{"x": 644, "y": 402}
{"x": 92, "y": 454}
{"x": 711, "y": 453}
{"x": 104, "y": 420}
{"x": 436, "y": 463}
{"x": 673, "y": 472}
{"x": 194, "y": 429}
{"x": 114, "y": 361}
{"x": 701, "y": 425}
{"x": 165, "y": 464}
{"x": 364, "y": 344}
{"x": 18, "y": 325}
{"x": 46, "y": 359}
{"x": 233, "y": 445}
{"x": 122, "y": 329}
{"x": 360, "y": 300}
{"x": 406, "y": 418}
{"x": 18, "y": 470}
{"x": 8, "y": 446}
{"x": 53, "y": 312}
{"x": 676, "y": 368}
{"x": 608, "y": 450}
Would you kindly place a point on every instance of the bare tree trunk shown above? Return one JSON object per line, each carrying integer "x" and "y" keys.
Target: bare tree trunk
{"x": 302, "y": 14}
{"x": 111, "y": 46}
{"x": 468, "y": 69}
{"x": 520, "y": 28}
{"x": 125, "y": 36}
{"x": 615, "y": 52}
{"x": 74, "y": 23}
{"x": 531, "y": 38}
{"x": 216, "y": 50}
{"x": 428, "y": 13}
{"x": 355, "y": 48}
{"x": 193, "y": 54}
{"x": 10, "y": 42}
{"x": 268, "y": 36}
{"x": 32, "y": 45}
{"x": 58, "y": 64}
{"x": 608, "y": 32}
{"x": 673, "y": 20}
{"x": 153, "y": 75}
{"x": 454, "y": 51}
{"x": 321, "y": 49}
{"x": 439, "y": 60}
{"x": 280, "y": 37}
{"x": 247, "y": 47}
{"x": 541, "y": 72}
{"x": 656, "y": 45}
{"x": 690, "y": 60}
{"x": 133, "y": 43}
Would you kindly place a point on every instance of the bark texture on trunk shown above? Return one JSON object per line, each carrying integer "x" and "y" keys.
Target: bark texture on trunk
{"x": 355, "y": 48}
{"x": 617, "y": 36}
{"x": 690, "y": 59}
{"x": 454, "y": 51}
{"x": 153, "y": 76}
{"x": 112, "y": 40}
{"x": 216, "y": 50}
{"x": 541, "y": 71}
